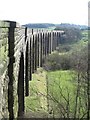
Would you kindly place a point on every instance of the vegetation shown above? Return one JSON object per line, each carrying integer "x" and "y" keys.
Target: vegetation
{"x": 65, "y": 82}
{"x": 36, "y": 103}
{"x": 68, "y": 56}
{"x": 71, "y": 35}
{"x": 48, "y": 25}
{"x": 62, "y": 95}
{"x": 40, "y": 25}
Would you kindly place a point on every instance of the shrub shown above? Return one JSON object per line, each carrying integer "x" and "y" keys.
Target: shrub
{"x": 56, "y": 61}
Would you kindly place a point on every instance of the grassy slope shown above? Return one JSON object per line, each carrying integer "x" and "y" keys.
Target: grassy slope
{"x": 64, "y": 78}
{"x": 36, "y": 102}
{"x": 62, "y": 82}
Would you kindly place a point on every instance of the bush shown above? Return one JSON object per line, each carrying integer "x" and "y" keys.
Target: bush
{"x": 64, "y": 48}
{"x": 71, "y": 35}
{"x": 56, "y": 61}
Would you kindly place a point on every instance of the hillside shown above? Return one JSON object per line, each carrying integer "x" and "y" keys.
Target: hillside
{"x": 67, "y": 25}
{"x": 47, "y": 25}
{"x": 39, "y": 25}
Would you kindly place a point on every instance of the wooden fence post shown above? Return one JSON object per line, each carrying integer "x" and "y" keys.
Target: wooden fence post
{"x": 53, "y": 42}
{"x": 39, "y": 55}
{"x": 32, "y": 31}
{"x": 21, "y": 105}
{"x": 36, "y": 52}
{"x": 25, "y": 34}
{"x": 41, "y": 50}
{"x": 33, "y": 52}
{"x": 45, "y": 44}
{"x": 26, "y": 72}
{"x": 30, "y": 58}
{"x": 11, "y": 46}
{"x": 57, "y": 38}
{"x": 50, "y": 43}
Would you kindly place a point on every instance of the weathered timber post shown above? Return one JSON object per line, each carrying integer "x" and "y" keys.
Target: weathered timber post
{"x": 32, "y": 31}
{"x": 42, "y": 48}
{"x": 48, "y": 43}
{"x": 55, "y": 41}
{"x": 36, "y": 52}
{"x": 51, "y": 40}
{"x": 45, "y": 44}
{"x": 41, "y": 52}
{"x": 25, "y": 34}
{"x": 20, "y": 91}
{"x": 26, "y": 65}
{"x": 39, "y": 48}
{"x": 32, "y": 52}
{"x": 30, "y": 58}
{"x": 11, "y": 46}
{"x": 53, "y": 44}
{"x": 57, "y": 38}
{"x": 26, "y": 72}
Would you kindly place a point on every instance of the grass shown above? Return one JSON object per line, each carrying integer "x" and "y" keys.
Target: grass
{"x": 61, "y": 84}
{"x": 62, "y": 87}
{"x": 62, "y": 80}
{"x": 65, "y": 78}
{"x": 36, "y": 101}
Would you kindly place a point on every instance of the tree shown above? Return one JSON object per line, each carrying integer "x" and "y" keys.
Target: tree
{"x": 71, "y": 35}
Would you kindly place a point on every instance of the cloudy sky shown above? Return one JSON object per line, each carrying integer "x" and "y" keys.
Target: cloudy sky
{"x": 45, "y": 11}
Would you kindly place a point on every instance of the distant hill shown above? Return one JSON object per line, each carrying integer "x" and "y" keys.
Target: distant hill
{"x": 67, "y": 25}
{"x": 39, "y": 25}
{"x": 47, "y": 25}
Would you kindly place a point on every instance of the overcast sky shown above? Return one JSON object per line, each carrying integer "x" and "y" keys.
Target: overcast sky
{"x": 45, "y": 11}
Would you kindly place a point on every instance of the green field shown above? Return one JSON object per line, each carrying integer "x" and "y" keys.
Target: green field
{"x": 61, "y": 92}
